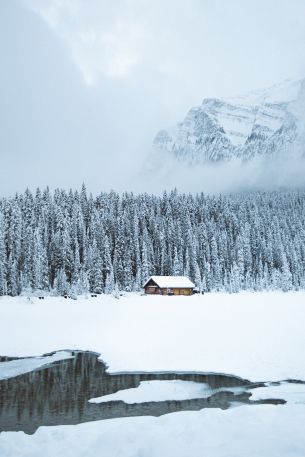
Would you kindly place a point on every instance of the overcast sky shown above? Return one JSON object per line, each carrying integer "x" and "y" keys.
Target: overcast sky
{"x": 85, "y": 85}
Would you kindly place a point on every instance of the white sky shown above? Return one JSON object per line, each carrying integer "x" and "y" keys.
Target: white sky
{"x": 85, "y": 85}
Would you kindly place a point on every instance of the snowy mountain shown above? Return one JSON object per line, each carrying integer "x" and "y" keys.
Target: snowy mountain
{"x": 266, "y": 122}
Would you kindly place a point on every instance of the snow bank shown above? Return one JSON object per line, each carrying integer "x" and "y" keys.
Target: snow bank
{"x": 253, "y": 335}
{"x": 16, "y": 367}
{"x": 246, "y": 431}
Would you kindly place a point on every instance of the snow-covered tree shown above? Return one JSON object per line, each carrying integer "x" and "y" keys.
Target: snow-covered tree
{"x": 70, "y": 242}
{"x": 3, "y": 289}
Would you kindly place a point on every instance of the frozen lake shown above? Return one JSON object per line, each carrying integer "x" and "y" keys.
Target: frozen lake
{"x": 195, "y": 357}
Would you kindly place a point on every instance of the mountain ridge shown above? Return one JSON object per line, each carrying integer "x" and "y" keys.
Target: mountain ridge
{"x": 264, "y": 122}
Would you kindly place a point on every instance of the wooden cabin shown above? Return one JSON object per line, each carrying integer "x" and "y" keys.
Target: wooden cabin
{"x": 169, "y": 285}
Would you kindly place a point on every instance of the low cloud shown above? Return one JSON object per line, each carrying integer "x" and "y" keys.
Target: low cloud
{"x": 261, "y": 173}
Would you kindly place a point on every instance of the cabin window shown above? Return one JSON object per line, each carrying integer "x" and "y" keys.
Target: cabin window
{"x": 151, "y": 289}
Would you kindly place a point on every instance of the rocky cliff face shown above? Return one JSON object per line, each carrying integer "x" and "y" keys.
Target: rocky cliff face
{"x": 265, "y": 122}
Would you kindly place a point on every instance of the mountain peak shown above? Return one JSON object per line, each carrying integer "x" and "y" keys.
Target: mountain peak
{"x": 262, "y": 122}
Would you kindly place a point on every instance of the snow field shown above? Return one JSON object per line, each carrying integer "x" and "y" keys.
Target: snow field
{"x": 258, "y": 336}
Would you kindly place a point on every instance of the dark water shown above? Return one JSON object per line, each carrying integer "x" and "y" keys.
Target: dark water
{"x": 58, "y": 394}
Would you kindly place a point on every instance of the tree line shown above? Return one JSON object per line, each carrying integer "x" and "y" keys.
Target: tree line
{"x": 74, "y": 243}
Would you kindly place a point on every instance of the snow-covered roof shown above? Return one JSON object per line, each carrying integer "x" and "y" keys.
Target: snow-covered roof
{"x": 171, "y": 281}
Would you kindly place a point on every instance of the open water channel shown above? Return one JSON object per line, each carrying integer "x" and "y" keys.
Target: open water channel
{"x": 59, "y": 394}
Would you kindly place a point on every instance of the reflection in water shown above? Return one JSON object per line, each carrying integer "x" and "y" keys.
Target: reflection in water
{"x": 59, "y": 394}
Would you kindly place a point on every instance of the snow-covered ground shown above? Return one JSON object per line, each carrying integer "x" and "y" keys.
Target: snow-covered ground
{"x": 257, "y": 336}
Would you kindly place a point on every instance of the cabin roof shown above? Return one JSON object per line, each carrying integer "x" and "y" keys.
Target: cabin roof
{"x": 171, "y": 281}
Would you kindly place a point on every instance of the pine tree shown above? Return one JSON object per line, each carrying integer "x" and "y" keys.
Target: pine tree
{"x": 198, "y": 281}
{"x": 40, "y": 266}
{"x": 109, "y": 285}
{"x": 3, "y": 289}
{"x": 177, "y": 264}
{"x": 286, "y": 276}
{"x": 13, "y": 287}
{"x": 61, "y": 285}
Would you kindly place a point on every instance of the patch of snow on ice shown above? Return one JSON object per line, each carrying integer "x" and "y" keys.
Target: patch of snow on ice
{"x": 291, "y": 392}
{"x": 21, "y": 366}
{"x": 158, "y": 391}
